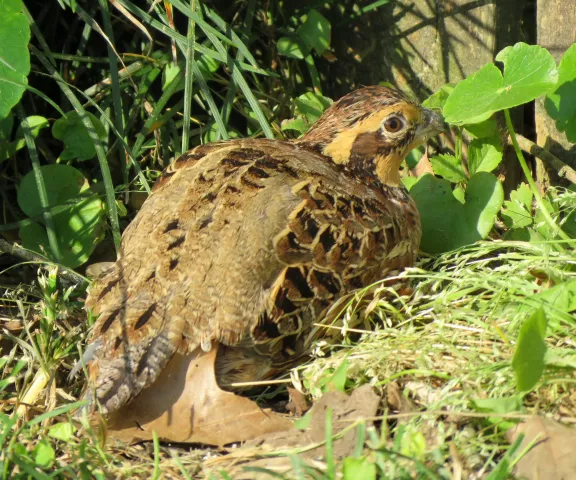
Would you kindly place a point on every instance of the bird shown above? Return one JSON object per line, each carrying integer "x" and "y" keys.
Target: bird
{"x": 243, "y": 244}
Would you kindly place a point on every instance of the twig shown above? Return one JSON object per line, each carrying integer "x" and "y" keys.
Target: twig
{"x": 564, "y": 171}
{"x": 69, "y": 275}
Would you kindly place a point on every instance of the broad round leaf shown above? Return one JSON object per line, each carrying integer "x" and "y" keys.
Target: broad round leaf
{"x": 78, "y": 230}
{"x": 77, "y": 141}
{"x": 78, "y": 220}
{"x": 62, "y": 182}
{"x": 14, "y": 55}
{"x": 529, "y": 72}
{"x": 447, "y": 223}
{"x": 561, "y": 104}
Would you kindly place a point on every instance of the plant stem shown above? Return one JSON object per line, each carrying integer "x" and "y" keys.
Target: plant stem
{"x": 563, "y": 170}
{"x": 543, "y": 207}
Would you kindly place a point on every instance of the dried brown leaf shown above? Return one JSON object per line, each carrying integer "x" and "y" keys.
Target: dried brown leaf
{"x": 186, "y": 405}
{"x": 362, "y": 403}
{"x": 552, "y": 454}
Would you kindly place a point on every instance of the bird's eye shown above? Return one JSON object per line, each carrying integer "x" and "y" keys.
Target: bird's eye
{"x": 393, "y": 124}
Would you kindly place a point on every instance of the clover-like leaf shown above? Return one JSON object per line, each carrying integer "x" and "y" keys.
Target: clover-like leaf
{"x": 77, "y": 141}
{"x": 14, "y": 54}
{"x": 561, "y": 103}
{"x": 529, "y": 72}
{"x": 315, "y": 31}
{"x": 447, "y": 223}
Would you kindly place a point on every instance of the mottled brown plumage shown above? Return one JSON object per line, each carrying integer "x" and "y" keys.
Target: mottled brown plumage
{"x": 248, "y": 242}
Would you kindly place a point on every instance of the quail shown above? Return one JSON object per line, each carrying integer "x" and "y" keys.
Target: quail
{"x": 243, "y": 244}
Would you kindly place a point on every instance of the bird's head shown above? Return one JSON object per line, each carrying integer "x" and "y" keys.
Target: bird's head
{"x": 371, "y": 130}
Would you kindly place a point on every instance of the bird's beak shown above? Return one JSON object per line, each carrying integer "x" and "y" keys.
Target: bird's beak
{"x": 432, "y": 124}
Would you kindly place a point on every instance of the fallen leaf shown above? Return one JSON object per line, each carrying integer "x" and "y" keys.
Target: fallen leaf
{"x": 552, "y": 453}
{"x": 186, "y": 404}
{"x": 298, "y": 404}
{"x": 362, "y": 403}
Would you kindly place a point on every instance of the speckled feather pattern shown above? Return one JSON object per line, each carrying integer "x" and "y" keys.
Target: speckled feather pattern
{"x": 245, "y": 243}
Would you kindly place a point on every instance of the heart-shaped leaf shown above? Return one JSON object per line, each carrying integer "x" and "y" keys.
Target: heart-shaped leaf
{"x": 561, "y": 104}
{"x": 14, "y": 55}
{"x": 529, "y": 72}
{"x": 77, "y": 141}
{"x": 446, "y": 222}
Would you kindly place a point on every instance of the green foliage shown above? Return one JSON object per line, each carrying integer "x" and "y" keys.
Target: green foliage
{"x": 528, "y": 361}
{"x": 447, "y": 223}
{"x": 14, "y": 56}
{"x": 77, "y": 142}
{"x": 561, "y": 103}
{"x": 77, "y": 213}
{"x": 529, "y": 72}
{"x": 354, "y": 468}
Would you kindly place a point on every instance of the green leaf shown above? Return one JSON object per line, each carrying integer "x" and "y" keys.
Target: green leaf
{"x": 528, "y": 361}
{"x": 559, "y": 298}
{"x": 523, "y": 195}
{"x": 62, "y": 182}
{"x": 14, "y": 54}
{"x": 484, "y": 155}
{"x": 438, "y": 99}
{"x": 448, "y": 167}
{"x": 413, "y": 444}
{"x": 315, "y": 31}
{"x": 517, "y": 211}
{"x": 62, "y": 431}
{"x": 414, "y": 156}
{"x": 529, "y": 72}
{"x": 336, "y": 380}
{"x": 561, "y": 104}
{"x": 311, "y": 105}
{"x": 446, "y": 222}
{"x": 44, "y": 454}
{"x": 516, "y": 215}
{"x": 487, "y": 128}
{"x": 409, "y": 182}
{"x": 354, "y": 468}
{"x": 78, "y": 218}
{"x": 303, "y": 422}
{"x": 484, "y": 197}
{"x": 289, "y": 48}
{"x": 7, "y": 149}
{"x": 77, "y": 141}
{"x": 298, "y": 124}
{"x": 499, "y": 406}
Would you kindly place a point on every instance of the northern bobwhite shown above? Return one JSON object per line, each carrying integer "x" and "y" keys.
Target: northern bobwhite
{"x": 246, "y": 242}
